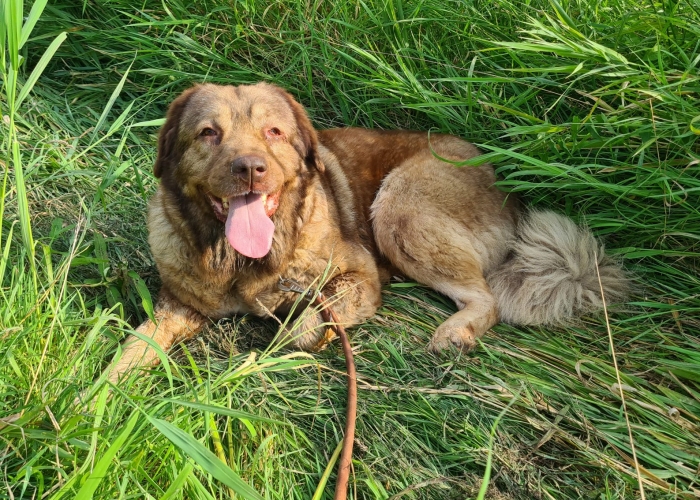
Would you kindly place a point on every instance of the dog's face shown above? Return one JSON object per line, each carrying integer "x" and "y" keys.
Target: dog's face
{"x": 236, "y": 150}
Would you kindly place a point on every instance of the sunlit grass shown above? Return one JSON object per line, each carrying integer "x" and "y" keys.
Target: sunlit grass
{"x": 587, "y": 108}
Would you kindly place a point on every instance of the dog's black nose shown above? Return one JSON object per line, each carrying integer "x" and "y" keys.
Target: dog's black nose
{"x": 251, "y": 168}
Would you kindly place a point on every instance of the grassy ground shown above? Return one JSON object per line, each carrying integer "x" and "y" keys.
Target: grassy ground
{"x": 590, "y": 108}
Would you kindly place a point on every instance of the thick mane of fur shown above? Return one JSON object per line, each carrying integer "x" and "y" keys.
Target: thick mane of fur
{"x": 550, "y": 276}
{"x": 195, "y": 215}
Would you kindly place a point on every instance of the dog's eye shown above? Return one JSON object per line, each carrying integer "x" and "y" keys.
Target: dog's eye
{"x": 273, "y": 133}
{"x": 208, "y": 132}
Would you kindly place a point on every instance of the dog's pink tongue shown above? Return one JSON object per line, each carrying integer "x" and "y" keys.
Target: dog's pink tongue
{"x": 248, "y": 228}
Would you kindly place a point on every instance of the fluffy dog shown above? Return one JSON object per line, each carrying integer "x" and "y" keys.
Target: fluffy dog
{"x": 250, "y": 193}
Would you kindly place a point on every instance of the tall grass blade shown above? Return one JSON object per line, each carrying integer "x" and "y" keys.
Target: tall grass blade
{"x": 489, "y": 458}
{"x": 91, "y": 483}
{"x": 120, "y": 120}
{"x": 3, "y": 37}
{"x": 25, "y": 221}
{"x": 222, "y": 410}
{"x": 209, "y": 462}
{"x": 321, "y": 488}
{"x": 32, "y": 18}
{"x": 112, "y": 99}
{"x": 6, "y": 254}
{"x": 39, "y": 69}
{"x": 3, "y": 190}
{"x": 144, "y": 294}
{"x": 13, "y": 27}
{"x": 178, "y": 482}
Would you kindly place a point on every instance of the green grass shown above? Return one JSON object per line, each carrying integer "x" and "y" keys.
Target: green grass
{"x": 590, "y": 108}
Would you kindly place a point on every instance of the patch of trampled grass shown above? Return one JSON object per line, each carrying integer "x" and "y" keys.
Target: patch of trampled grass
{"x": 589, "y": 109}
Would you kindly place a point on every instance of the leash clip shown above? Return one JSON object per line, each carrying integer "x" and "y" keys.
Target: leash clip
{"x": 290, "y": 285}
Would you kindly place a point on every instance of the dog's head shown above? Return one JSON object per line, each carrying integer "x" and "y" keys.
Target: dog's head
{"x": 236, "y": 150}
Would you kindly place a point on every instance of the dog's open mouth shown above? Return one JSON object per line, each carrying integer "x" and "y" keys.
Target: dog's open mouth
{"x": 247, "y": 223}
{"x": 221, "y": 205}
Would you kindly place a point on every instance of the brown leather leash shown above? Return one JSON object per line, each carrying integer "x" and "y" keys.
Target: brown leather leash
{"x": 318, "y": 299}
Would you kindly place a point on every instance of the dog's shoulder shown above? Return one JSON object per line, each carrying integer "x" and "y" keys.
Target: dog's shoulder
{"x": 340, "y": 194}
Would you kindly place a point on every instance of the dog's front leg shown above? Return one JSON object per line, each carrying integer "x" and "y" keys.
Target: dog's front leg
{"x": 175, "y": 322}
{"x": 354, "y": 297}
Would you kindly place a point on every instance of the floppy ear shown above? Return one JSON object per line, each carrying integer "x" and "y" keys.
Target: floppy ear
{"x": 168, "y": 153}
{"x": 306, "y": 141}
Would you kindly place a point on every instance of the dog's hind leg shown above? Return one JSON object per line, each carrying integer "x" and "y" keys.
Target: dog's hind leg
{"x": 441, "y": 261}
{"x": 427, "y": 223}
{"x": 175, "y": 322}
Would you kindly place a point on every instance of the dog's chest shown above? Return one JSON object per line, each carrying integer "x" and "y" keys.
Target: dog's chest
{"x": 261, "y": 294}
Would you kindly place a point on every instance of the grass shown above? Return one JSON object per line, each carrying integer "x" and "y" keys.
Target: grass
{"x": 588, "y": 108}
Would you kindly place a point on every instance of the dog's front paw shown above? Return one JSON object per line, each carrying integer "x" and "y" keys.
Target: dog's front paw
{"x": 451, "y": 336}
{"x": 307, "y": 334}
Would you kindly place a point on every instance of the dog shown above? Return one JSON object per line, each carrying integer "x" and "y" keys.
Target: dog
{"x": 250, "y": 193}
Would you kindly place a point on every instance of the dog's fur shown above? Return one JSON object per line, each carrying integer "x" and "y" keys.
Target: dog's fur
{"x": 357, "y": 204}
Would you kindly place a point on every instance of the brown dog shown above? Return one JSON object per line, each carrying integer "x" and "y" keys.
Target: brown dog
{"x": 250, "y": 193}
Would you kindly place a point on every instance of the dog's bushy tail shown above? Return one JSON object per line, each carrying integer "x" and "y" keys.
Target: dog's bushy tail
{"x": 549, "y": 276}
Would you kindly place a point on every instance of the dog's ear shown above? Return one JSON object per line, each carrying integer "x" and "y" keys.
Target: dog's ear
{"x": 306, "y": 140}
{"x": 168, "y": 153}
